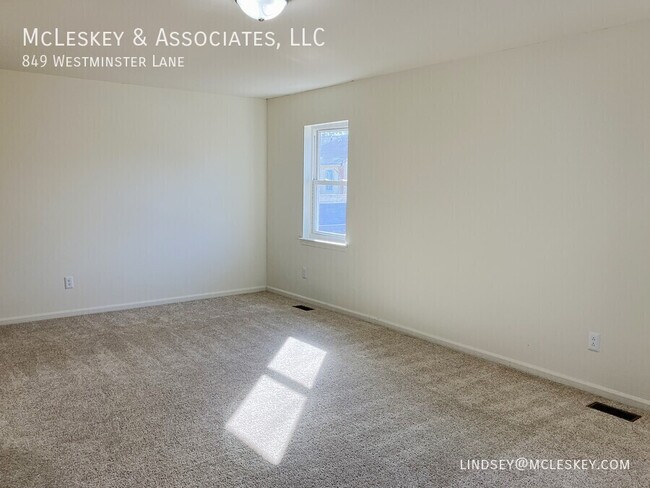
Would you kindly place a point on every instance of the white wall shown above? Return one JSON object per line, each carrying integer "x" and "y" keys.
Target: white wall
{"x": 502, "y": 203}
{"x": 140, "y": 193}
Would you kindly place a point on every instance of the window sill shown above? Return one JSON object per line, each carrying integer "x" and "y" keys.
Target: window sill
{"x": 336, "y": 246}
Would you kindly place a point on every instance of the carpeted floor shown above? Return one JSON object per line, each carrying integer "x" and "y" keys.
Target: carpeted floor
{"x": 248, "y": 391}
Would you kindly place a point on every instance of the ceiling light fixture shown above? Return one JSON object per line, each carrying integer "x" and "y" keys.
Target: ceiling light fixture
{"x": 262, "y": 9}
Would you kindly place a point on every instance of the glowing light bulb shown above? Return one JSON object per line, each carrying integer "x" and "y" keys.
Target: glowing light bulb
{"x": 262, "y": 9}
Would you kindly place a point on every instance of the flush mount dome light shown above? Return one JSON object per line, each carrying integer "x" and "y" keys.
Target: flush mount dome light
{"x": 262, "y": 9}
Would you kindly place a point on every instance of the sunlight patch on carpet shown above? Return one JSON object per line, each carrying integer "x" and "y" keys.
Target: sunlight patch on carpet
{"x": 298, "y": 361}
{"x": 268, "y": 416}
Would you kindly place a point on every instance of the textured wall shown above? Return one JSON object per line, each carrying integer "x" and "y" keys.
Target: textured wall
{"x": 499, "y": 202}
{"x": 140, "y": 193}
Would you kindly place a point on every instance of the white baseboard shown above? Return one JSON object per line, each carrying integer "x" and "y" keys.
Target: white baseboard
{"x": 599, "y": 390}
{"x": 127, "y": 306}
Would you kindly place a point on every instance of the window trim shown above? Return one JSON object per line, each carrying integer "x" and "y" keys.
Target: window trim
{"x": 310, "y": 184}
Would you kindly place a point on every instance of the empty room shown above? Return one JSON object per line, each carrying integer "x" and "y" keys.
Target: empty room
{"x": 324, "y": 243}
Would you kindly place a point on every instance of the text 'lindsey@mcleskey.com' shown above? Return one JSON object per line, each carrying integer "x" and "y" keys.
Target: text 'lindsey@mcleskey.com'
{"x": 527, "y": 464}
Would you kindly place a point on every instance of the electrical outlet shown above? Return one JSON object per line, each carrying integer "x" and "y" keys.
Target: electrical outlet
{"x": 304, "y": 272}
{"x": 594, "y": 342}
{"x": 68, "y": 282}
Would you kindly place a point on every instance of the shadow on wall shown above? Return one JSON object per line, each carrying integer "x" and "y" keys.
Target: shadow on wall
{"x": 269, "y": 414}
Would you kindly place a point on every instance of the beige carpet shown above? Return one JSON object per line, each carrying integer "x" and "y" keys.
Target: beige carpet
{"x": 248, "y": 391}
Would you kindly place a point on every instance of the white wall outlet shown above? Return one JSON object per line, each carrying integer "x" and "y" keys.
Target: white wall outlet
{"x": 68, "y": 282}
{"x": 594, "y": 341}
{"x": 304, "y": 272}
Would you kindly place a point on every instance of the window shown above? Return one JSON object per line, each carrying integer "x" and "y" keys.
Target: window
{"x": 326, "y": 182}
{"x": 329, "y": 176}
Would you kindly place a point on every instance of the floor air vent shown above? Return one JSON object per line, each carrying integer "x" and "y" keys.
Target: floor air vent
{"x": 304, "y": 307}
{"x": 616, "y": 412}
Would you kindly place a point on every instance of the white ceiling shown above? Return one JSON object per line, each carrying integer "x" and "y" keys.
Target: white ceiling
{"x": 363, "y": 37}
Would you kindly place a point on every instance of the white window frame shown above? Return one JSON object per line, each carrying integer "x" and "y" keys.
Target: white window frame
{"x": 311, "y": 182}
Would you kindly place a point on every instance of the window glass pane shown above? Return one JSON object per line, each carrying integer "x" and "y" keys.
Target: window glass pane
{"x": 331, "y": 206}
{"x": 333, "y": 154}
